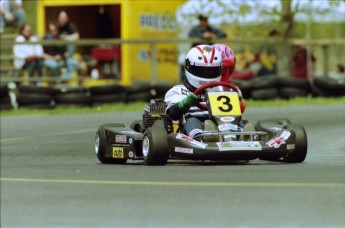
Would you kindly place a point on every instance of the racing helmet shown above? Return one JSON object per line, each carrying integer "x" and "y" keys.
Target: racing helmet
{"x": 228, "y": 61}
{"x": 203, "y": 64}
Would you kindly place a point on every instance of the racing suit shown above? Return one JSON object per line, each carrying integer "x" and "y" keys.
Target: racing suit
{"x": 193, "y": 117}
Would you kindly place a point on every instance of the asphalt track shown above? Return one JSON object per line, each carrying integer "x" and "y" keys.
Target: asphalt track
{"x": 50, "y": 177}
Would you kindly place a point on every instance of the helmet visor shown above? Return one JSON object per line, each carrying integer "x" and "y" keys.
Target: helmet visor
{"x": 205, "y": 71}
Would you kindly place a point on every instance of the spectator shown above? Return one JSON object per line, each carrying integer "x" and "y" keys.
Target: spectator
{"x": 12, "y": 14}
{"x": 67, "y": 31}
{"x": 28, "y": 56}
{"x": 54, "y": 56}
{"x": 300, "y": 63}
{"x": 268, "y": 56}
{"x": 205, "y": 32}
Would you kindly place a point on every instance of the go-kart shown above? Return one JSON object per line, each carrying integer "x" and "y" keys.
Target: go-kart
{"x": 156, "y": 139}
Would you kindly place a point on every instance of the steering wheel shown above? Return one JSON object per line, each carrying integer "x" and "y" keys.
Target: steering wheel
{"x": 202, "y": 88}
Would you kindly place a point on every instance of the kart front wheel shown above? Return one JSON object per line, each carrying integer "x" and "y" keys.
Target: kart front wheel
{"x": 102, "y": 147}
{"x": 301, "y": 145}
{"x": 155, "y": 146}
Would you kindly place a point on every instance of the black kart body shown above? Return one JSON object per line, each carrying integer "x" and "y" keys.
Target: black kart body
{"x": 156, "y": 139}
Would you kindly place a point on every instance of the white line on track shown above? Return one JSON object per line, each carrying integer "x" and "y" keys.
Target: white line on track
{"x": 176, "y": 183}
{"x": 48, "y": 135}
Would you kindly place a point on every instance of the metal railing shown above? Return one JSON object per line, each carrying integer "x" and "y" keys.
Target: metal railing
{"x": 323, "y": 43}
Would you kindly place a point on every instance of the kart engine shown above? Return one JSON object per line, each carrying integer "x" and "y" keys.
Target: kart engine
{"x": 156, "y": 111}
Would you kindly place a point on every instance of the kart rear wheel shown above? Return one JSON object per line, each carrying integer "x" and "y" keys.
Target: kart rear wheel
{"x": 137, "y": 125}
{"x": 301, "y": 145}
{"x": 102, "y": 147}
{"x": 155, "y": 146}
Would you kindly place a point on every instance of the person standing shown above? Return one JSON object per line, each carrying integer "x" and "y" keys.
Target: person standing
{"x": 28, "y": 56}
{"x": 205, "y": 32}
{"x": 300, "y": 63}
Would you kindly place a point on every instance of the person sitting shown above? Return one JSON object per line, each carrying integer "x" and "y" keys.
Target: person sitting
{"x": 11, "y": 14}
{"x": 203, "y": 64}
{"x": 55, "y": 57}
{"x": 28, "y": 56}
{"x": 68, "y": 31}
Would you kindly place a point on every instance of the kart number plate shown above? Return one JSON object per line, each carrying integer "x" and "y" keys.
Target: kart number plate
{"x": 118, "y": 152}
{"x": 224, "y": 103}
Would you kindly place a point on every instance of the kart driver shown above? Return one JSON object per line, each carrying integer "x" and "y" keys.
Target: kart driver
{"x": 203, "y": 64}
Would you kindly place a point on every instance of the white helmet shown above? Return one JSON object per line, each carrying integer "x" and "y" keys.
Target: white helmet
{"x": 203, "y": 65}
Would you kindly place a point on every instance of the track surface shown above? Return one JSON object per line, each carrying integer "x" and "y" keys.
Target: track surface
{"x": 50, "y": 177}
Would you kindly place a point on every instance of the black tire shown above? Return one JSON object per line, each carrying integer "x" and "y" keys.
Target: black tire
{"x": 108, "y": 98}
{"x": 33, "y": 98}
{"x": 37, "y": 89}
{"x": 5, "y": 103}
{"x": 245, "y": 87}
{"x": 138, "y": 126}
{"x": 298, "y": 83}
{"x": 301, "y": 145}
{"x": 264, "y": 82}
{"x": 102, "y": 148}
{"x": 4, "y": 90}
{"x": 155, "y": 146}
{"x": 140, "y": 96}
{"x": 108, "y": 89}
{"x": 265, "y": 94}
{"x": 73, "y": 99}
{"x": 138, "y": 88}
{"x": 330, "y": 86}
{"x": 290, "y": 92}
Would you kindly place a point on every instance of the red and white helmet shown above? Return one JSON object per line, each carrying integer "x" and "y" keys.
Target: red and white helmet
{"x": 228, "y": 61}
{"x": 203, "y": 65}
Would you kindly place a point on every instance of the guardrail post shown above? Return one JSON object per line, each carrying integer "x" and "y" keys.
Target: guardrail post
{"x": 325, "y": 49}
{"x": 154, "y": 64}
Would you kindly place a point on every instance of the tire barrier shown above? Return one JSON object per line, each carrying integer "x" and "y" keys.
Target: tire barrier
{"x": 329, "y": 87}
{"x": 5, "y": 99}
{"x": 260, "y": 88}
{"x": 107, "y": 94}
{"x": 35, "y": 97}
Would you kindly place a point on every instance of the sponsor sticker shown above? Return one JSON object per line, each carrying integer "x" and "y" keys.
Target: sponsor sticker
{"x": 118, "y": 152}
{"x": 276, "y": 142}
{"x": 120, "y": 138}
{"x": 227, "y": 119}
{"x": 290, "y": 146}
{"x": 239, "y": 145}
{"x": 184, "y": 150}
{"x": 190, "y": 140}
{"x": 224, "y": 127}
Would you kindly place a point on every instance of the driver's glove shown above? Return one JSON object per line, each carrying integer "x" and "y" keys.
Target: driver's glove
{"x": 189, "y": 101}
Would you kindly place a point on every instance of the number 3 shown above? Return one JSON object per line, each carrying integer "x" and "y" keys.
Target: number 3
{"x": 226, "y": 103}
